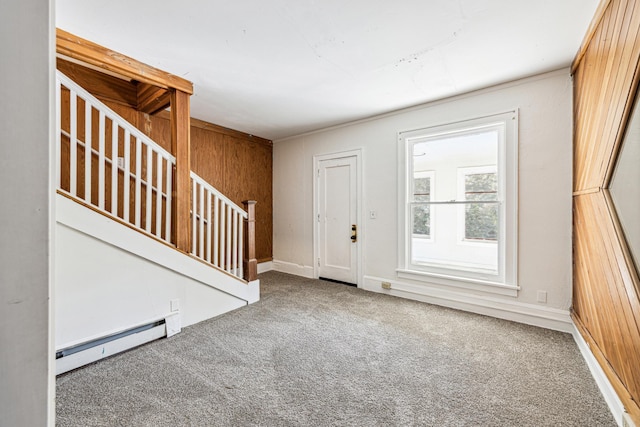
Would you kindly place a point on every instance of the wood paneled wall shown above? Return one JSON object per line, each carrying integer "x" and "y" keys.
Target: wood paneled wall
{"x": 237, "y": 164}
{"x": 606, "y": 303}
{"x": 240, "y": 166}
{"x": 65, "y": 163}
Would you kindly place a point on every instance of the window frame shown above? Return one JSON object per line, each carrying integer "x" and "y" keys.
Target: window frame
{"x": 505, "y": 282}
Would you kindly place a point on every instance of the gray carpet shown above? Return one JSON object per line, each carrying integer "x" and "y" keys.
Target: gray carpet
{"x": 314, "y": 353}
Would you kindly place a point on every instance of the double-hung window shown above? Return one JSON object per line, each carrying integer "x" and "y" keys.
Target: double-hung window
{"x": 457, "y": 204}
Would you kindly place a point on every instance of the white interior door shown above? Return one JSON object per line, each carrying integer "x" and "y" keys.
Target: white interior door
{"x": 337, "y": 214}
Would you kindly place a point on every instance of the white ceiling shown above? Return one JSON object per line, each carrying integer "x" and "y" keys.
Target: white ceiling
{"x": 277, "y": 68}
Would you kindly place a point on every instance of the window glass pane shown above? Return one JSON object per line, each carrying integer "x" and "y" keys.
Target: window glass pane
{"x": 421, "y": 214}
{"x": 422, "y": 220}
{"x": 481, "y": 219}
{"x": 421, "y": 189}
{"x": 461, "y": 236}
{"x": 447, "y": 251}
{"x": 481, "y": 186}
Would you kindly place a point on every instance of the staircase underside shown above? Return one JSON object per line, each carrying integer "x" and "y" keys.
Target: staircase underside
{"x": 110, "y": 277}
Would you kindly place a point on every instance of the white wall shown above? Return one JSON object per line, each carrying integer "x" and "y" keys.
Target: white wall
{"x": 102, "y": 287}
{"x": 545, "y": 180}
{"x": 26, "y": 359}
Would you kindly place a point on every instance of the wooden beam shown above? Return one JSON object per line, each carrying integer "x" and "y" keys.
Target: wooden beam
{"x": 180, "y": 148}
{"x": 152, "y": 99}
{"x": 103, "y": 86}
{"x": 250, "y": 262}
{"x": 91, "y": 53}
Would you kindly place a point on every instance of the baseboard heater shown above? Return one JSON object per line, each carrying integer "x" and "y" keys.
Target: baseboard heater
{"x": 82, "y": 354}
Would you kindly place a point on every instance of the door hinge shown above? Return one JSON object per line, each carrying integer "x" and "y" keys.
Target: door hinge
{"x": 318, "y": 217}
{"x": 318, "y": 173}
{"x": 318, "y": 262}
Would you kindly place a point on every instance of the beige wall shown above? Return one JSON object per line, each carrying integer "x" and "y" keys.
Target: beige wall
{"x": 545, "y": 178}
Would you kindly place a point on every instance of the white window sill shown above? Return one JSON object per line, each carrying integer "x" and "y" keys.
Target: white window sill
{"x": 460, "y": 282}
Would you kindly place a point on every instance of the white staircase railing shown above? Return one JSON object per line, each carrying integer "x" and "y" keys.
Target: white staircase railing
{"x": 217, "y": 228}
{"x": 107, "y": 163}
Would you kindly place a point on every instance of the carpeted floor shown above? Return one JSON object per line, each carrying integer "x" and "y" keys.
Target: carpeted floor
{"x": 314, "y": 353}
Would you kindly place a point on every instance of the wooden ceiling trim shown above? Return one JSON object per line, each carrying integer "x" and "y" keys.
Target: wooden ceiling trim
{"x": 91, "y": 53}
{"x": 230, "y": 132}
{"x": 201, "y": 124}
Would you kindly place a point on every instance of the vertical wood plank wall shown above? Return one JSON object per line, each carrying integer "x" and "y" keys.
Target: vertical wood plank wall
{"x": 237, "y": 164}
{"x": 606, "y": 303}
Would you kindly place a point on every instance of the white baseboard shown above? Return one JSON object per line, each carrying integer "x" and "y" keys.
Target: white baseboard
{"x": 263, "y": 267}
{"x": 610, "y": 396}
{"x": 291, "y": 268}
{"x": 531, "y": 314}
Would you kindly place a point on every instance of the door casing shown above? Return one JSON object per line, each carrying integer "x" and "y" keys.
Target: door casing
{"x": 357, "y": 153}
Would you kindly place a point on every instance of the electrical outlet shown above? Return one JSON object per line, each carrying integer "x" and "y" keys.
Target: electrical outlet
{"x": 542, "y": 296}
{"x": 386, "y": 285}
{"x": 175, "y": 305}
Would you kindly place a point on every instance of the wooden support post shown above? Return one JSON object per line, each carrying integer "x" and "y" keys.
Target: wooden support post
{"x": 250, "y": 262}
{"x": 180, "y": 148}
